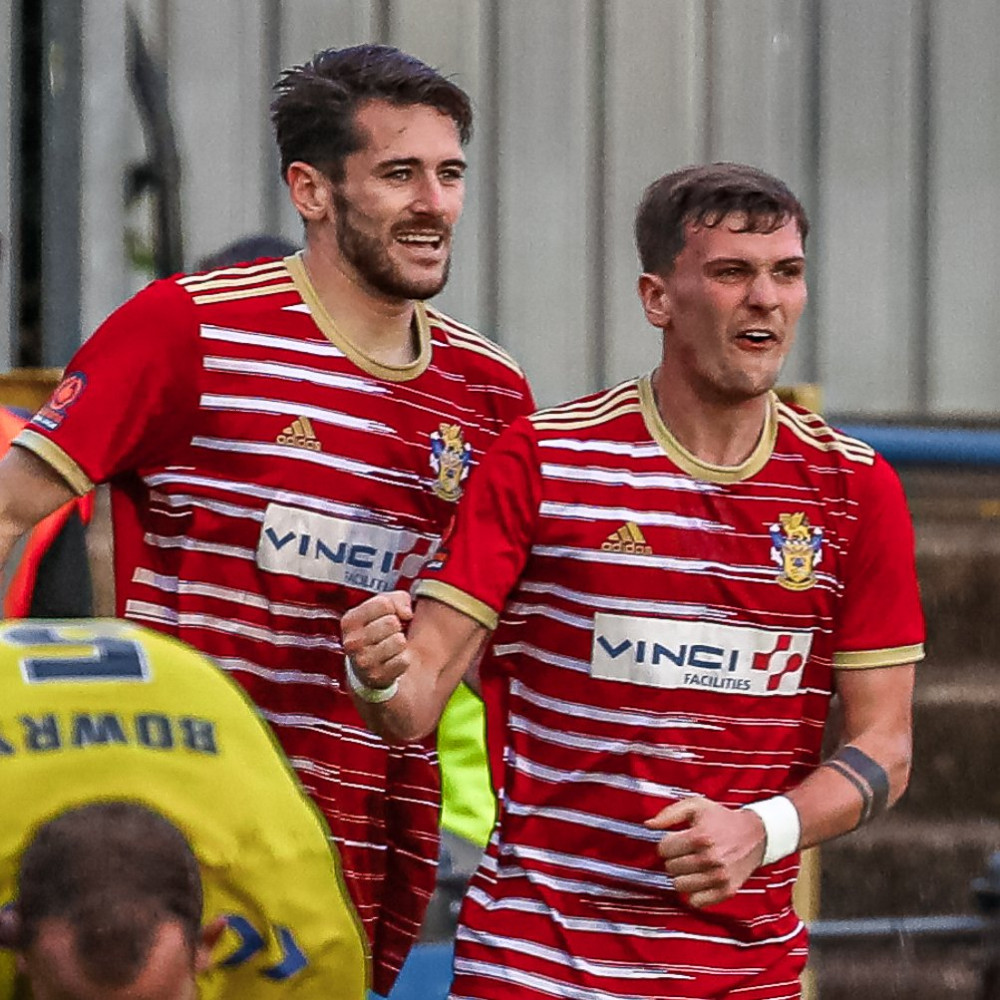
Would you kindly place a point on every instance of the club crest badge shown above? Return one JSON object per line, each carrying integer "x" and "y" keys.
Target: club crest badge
{"x": 451, "y": 458}
{"x": 797, "y": 548}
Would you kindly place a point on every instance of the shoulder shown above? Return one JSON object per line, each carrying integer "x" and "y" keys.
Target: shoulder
{"x": 822, "y": 444}
{"x": 472, "y": 349}
{"x": 589, "y": 414}
{"x": 815, "y": 438}
{"x": 240, "y": 283}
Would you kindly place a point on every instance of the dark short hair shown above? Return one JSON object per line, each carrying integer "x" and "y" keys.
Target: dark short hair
{"x": 116, "y": 872}
{"x": 245, "y": 249}
{"x": 313, "y": 113}
{"x": 704, "y": 196}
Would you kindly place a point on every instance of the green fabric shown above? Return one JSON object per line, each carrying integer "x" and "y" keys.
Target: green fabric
{"x": 468, "y": 808}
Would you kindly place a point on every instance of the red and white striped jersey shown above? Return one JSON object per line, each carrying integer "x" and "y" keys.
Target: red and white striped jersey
{"x": 265, "y": 477}
{"x": 663, "y": 628}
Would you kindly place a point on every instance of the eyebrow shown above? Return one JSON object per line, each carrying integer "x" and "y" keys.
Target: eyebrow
{"x": 415, "y": 161}
{"x": 716, "y": 261}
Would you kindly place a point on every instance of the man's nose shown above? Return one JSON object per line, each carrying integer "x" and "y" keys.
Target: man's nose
{"x": 763, "y": 292}
{"x": 430, "y": 196}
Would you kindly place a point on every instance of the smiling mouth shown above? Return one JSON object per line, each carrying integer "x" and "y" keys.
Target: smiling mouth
{"x": 759, "y": 337}
{"x": 431, "y": 241}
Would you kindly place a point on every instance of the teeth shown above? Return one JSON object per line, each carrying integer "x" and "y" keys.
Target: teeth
{"x": 419, "y": 238}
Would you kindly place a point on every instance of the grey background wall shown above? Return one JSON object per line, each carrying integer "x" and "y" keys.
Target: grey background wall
{"x": 880, "y": 113}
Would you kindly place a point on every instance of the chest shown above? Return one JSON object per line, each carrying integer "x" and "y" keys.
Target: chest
{"x": 769, "y": 551}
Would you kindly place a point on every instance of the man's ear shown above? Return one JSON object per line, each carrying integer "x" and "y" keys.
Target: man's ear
{"x": 207, "y": 940}
{"x": 310, "y": 190}
{"x": 10, "y": 927}
{"x": 655, "y": 299}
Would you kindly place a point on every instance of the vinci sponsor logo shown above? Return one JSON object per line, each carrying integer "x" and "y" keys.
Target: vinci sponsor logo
{"x": 336, "y": 550}
{"x": 677, "y": 654}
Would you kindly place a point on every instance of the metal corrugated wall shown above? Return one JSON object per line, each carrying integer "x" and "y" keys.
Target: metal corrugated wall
{"x": 879, "y": 114}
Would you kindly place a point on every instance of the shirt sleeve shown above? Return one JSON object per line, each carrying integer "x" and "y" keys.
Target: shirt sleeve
{"x": 129, "y": 396}
{"x": 881, "y": 623}
{"x": 482, "y": 555}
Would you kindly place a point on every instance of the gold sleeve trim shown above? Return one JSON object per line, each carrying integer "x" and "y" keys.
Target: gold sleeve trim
{"x": 867, "y": 658}
{"x": 53, "y": 455}
{"x": 459, "y": 600}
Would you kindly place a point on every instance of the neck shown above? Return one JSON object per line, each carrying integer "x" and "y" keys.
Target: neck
{"x": 716, "y": 431}
{"x": 379, "y": 327}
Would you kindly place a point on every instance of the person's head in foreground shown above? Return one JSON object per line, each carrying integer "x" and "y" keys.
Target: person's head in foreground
{"x": 109, "y": 907}
{"x": 721, "y": 248}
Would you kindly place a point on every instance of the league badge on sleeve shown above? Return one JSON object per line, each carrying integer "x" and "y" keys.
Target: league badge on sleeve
{"x": 69, "y": 390}
{"x": 797, "y": 548}
{"x": 451, "y": 457}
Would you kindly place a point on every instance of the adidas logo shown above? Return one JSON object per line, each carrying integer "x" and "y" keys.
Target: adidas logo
{"x": 628, "y": 538}
{"x": 299, "y": 434}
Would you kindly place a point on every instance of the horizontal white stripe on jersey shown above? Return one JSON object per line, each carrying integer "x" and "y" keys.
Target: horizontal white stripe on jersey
{"x": 531, "y": 980}
{"x": 301, "y": 373}
{"x": 174, "y": 476}
{"x": 601, "y": 745}
{"x": 221, "y": 507}
{"x": 621, "y": 875}
{"x": 592, "y": 512}
{"x": 613, "y": 901}
{"x": 271, "y": 342}
{"x": 621, "y": 716}
{"x": 518, "y": 609}
{"x": 344, "y": 732}
{"x": 623, "y": 782}
{"x": 189, "y": 544}
{"x": 578, "y": 817}
{"x": 286, "y": 408}
{"x": 298, "y": 720}
{"x": 650, "y": 449}
{"x": 543, "y": 656}
{"x": 490, "y": 389}
{"x": 592, "y": 925}
{"x": 625, "y": 477}
{"x": 696, "y": 567}
{"x": 227, "y": 626}
{"x": 341, "y": 462}
{"x": 599, "y": 969}
{"x": 606, "y": 602}
{"x": 173, "y": 585}
{"x": 235, "y": 663}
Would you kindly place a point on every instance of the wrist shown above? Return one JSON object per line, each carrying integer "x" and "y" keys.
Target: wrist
{"x": 367, "y": 693}
{"x": 782, "y": 827}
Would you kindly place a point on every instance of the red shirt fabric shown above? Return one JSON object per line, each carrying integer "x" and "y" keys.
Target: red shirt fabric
{"x": 265, "y": 477}
{"x": 663, "y": 628}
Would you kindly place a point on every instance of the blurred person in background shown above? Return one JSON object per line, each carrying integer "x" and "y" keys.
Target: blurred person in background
{"x": 95, "y": 712}
{"x": 286, "y": 437}
{"x": 468, "y": 807}
{"x": 676, "y": 575}
{"x": 48, "y": 574}
{"x": 246, "y": 250}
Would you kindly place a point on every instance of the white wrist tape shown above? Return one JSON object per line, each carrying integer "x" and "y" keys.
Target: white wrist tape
{"x": 373, "y": 695}
{"x": 782, "y": 827}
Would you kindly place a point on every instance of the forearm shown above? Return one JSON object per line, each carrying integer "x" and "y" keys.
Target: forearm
{"x": 410, "y": 712}
{"x": 857, "y": 783}
{"x": 401, "y": 679}
{"x": 870, "y": 769}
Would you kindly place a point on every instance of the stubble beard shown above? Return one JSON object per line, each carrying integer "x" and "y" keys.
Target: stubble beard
{"x": 369, "y": 256}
